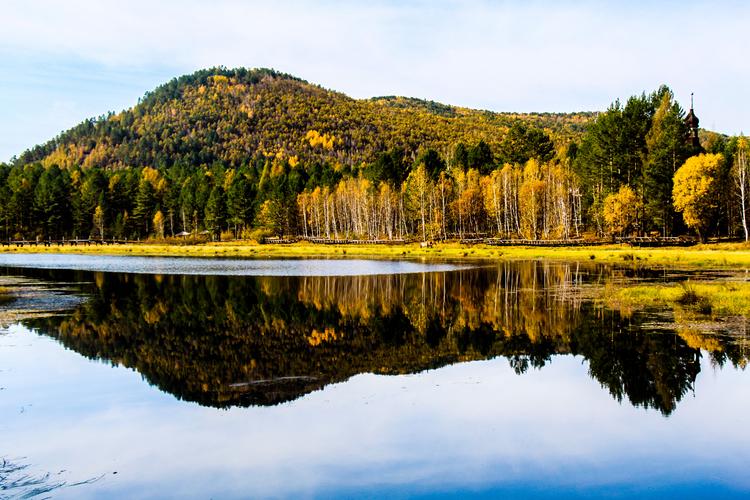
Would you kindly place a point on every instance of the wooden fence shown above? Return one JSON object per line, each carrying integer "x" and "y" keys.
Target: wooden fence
{"x": 656, "y": 241}
{"x": 332, "y": 241}
{"x": 62, "y": 242}
{"x": 640, "y": 241}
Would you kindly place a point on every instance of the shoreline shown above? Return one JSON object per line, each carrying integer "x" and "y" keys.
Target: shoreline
{"x": 715, "y": 255}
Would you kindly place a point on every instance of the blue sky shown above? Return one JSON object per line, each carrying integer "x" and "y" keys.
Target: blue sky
{"x": 62, "y": 62}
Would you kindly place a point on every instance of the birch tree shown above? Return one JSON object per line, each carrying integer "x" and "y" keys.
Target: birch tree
{"x": 741, "y": 180}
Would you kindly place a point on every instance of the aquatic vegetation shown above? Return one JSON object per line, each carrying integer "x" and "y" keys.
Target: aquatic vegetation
{"x": 18, "y": 481}
{"x": 5, "y": 295}
{"x": 690, "y": 297}
{"x": 717, "y": 299}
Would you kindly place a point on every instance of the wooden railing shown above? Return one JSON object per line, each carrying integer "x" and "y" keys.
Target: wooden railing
{"x": 655, "y": 241}
{"x": 333, "y": 241}
{"x": 537, "y": 243}
{"x": 642, "y": 241}
{"x": 62, "y": 242}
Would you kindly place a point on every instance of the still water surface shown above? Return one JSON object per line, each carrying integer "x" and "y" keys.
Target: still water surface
{"x": 220, "y": 266}
{"x": 507, "y": 379}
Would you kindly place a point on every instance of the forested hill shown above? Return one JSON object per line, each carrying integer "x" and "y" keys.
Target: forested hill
{"x": 235, "y": 116}
{"x": 245, "y": 153}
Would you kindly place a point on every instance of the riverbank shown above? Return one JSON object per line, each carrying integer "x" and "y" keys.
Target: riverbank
{"x": 5, "y": 295}
{"x": 716, "y": 255}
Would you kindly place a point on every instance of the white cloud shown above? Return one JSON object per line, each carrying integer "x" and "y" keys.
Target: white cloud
{"x": 514, "y": 56}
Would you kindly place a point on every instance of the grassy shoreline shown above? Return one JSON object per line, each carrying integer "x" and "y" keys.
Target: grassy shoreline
{"x": 717, "y": 255}
{"x": 716, "y": 299}
{"x": 5, "y": 295}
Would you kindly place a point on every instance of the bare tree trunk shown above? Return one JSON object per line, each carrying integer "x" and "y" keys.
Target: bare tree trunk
{"x": 741, "y": 179}
{"x": 442, "y": 196}
{"x": 421, "y": 210}
{"x": 304, "y": 214}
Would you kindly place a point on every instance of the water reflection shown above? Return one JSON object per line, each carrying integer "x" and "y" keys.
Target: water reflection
{"x": 240, "y": 341}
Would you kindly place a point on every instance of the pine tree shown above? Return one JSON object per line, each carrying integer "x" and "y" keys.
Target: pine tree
{"x": 481, "y": 158}
{"x": 522, "y": 143}
{"x": 238, "y": 203}
{"x": 51, "y": 206}
{"x": 215, "y": 213}
{"x": 145, "y": 203}
{"x": 667, "y": 148}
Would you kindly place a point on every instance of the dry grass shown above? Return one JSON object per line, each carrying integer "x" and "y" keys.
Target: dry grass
{"x": 720, "y": 255}
{"x": 717, "y": 299}
{"x": 5, "y": 295}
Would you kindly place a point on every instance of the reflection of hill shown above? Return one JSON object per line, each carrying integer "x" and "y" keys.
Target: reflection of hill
{"x": 225, "y": 341}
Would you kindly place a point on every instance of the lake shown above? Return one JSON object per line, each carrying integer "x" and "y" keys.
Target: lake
{"x": 148, "y": 378}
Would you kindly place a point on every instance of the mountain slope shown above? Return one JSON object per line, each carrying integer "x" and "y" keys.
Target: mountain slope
{"x": 236, "y": 115}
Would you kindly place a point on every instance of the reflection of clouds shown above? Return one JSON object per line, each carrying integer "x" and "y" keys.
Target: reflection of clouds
{"x": 471, "y": 425}
{"x": 223, "y": 267}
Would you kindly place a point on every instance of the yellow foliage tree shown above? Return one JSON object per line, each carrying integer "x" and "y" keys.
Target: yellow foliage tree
{"x": 65, "y": 157}
{"x": 696, "y": 190}
{"x": 315, "y": 139}
{"x": 492, "y": 189}
{"x": 417, "y": 188}
{"x": 153, "y": 176}
{"x": 159, "y": 223}
{"x": 531, "y": 200}
{"x": 470, "y": 204}
{"x": 621, "y": 210}
{"x": 99, "y": 220}
{"x": 271, "y": 217}
{"x": 229, "y": 176}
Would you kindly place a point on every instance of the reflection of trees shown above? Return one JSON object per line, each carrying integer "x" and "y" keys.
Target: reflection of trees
{"x": 224, "y": 341}
{"x": 651, "y": 369}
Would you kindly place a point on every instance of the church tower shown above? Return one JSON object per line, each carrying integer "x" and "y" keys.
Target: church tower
{"x": 692, "y": 122}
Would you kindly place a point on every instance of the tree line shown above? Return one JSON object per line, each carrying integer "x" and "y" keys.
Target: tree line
{"x": 633, "y": 171}
{"x": 433, "y": 196}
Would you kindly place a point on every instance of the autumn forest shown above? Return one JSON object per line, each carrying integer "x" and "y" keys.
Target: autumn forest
{"x": 237, "y": 153}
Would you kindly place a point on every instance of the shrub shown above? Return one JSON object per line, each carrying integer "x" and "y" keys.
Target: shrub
{"x": 258, "y": 234}
{"x": 691, "y": 298}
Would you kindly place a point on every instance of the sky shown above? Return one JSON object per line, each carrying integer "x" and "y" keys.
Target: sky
{"x": 63, "y": 62}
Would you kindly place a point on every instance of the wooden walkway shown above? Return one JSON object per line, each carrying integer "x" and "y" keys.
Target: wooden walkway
{"x": 61, "y": 243}
{"x": 536, "y": 243}
{"x": 331, "y": 241}
{"x": 656, "y": 241}
{"x": 639, "y": 241}
{"x": 325, "y": 241}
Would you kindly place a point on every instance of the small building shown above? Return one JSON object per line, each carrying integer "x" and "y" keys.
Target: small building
{"x": 692, "y": 122}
